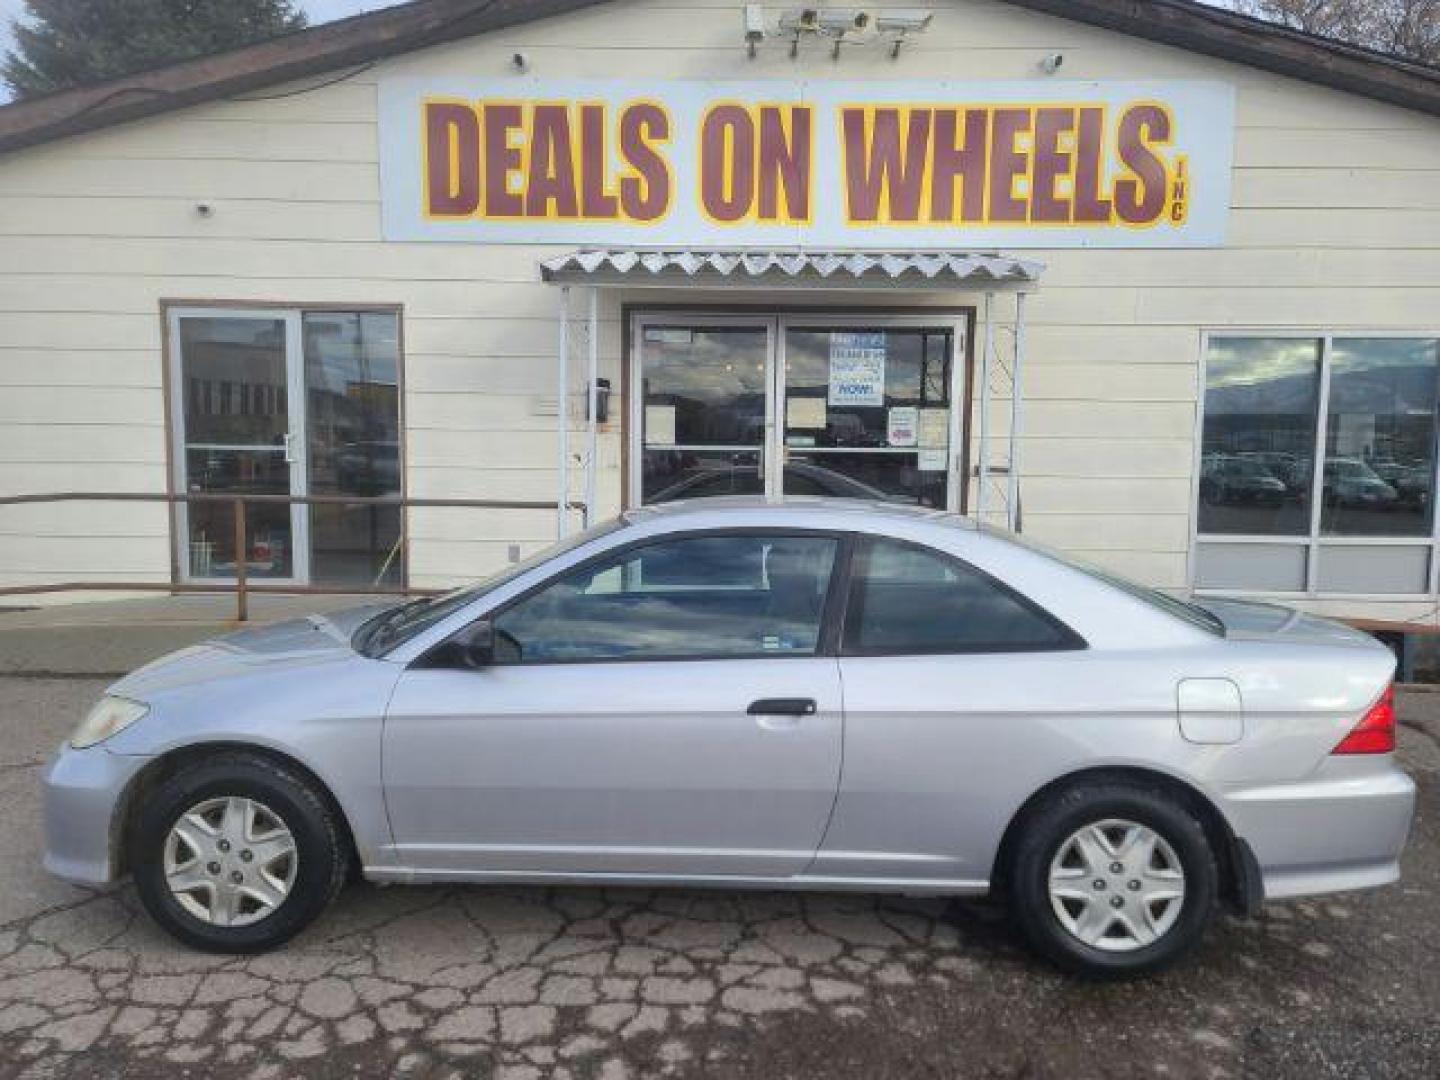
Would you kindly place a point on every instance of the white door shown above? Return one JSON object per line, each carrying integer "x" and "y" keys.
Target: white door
{"x": 854, "y": 406}
{"x": 237, "y": 392}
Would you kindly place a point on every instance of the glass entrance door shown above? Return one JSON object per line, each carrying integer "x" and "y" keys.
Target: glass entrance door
{"x": 704, "y": 407}
{"x": 867, "y": 411}
{"x": 238, "y": 411}
{"x": 845, "y": 407}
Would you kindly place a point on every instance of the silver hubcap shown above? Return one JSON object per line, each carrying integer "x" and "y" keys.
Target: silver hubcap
{"x": 230, "y": 861}
{"x": 1117, "y": 885}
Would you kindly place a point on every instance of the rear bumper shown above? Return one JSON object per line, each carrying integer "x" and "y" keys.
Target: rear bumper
{"x": 1342, "y": 829}
{"x": 81, "y": 791}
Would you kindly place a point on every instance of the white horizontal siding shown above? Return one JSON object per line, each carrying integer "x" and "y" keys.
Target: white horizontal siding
{"x": 1336, "y": 224}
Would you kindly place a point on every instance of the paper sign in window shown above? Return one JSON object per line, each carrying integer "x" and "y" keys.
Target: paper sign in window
{"x": 857, "y": 369}
{"x": 805, "y": 412}
{"x": 900, "y": 427}
{"x": 659, "y": 425}
{"x": 935, "y": 427}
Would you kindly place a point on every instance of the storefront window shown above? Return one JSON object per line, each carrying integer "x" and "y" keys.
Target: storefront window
{"x": 288, "y": 403}
{"x": 1380, "y": 437}
{"x": 1267, "y": 523}
{"x": 1256, "y": 462}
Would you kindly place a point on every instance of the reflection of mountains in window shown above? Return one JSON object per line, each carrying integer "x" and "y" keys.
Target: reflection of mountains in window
{"x": 1410, "y": 389}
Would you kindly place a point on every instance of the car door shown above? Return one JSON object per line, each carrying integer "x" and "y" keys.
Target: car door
{"x": 957, "y": 691}
{"x": 672, "y": 708}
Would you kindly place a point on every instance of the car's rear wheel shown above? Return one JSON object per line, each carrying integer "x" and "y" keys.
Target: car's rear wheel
{"x": 1113, "y": 879}
{"x": 237, "y": 854}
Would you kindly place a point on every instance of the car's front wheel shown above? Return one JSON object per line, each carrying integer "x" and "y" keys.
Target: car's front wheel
{"x": 237, "y": 853}
{"x": 1113, "y": 879}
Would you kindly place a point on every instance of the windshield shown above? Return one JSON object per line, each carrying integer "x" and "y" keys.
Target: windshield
{"x": 1193, "y": 614}
{"x": 397, "y": 625}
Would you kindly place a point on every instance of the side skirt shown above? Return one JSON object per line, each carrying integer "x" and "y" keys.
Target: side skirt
{"x": 386, "y": 875}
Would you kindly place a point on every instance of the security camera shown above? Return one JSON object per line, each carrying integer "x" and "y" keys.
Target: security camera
{"x": 904, "y": 22}
{"x": 754, "y": 27}
{"x": 839, "y": 21}
{"x": 901, "y": 24}
{"x": 801, "y": 21}
{"x": 519, "y": 61}
{"x": 798, "y": 22}
{"x": 1051, "y": 63}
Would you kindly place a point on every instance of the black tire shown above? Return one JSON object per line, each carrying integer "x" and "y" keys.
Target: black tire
{"x": 1058, "y": 818}
{"x": 321, "y": 865}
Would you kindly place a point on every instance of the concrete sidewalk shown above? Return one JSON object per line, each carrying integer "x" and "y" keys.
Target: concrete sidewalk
{"x": 109, "y": 638}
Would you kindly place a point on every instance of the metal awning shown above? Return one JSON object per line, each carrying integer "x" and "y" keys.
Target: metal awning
{"x": 804, "y": 269}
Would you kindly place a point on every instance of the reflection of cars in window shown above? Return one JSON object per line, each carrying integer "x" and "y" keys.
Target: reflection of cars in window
{"x": 366, "y": 467}
{"x": 1350, "y": 482}
{"x": 1238, "y": 480}
{"x": 1410, "y": 481}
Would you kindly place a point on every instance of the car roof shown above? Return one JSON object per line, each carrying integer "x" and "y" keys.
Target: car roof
{"x": 800, "y": 508}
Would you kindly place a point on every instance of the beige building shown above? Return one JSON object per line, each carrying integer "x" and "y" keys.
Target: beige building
{"x": 345, "y": 262}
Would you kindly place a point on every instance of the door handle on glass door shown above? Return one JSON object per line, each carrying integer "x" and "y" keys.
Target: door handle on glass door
{"x": 784, "y": 706}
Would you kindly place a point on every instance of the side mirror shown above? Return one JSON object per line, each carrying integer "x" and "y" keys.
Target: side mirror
{"x": 475, "y": 645}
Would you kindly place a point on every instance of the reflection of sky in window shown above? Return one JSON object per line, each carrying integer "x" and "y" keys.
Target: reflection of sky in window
{"x": 1246, "y": 361}
{"x": 715, "y": 365}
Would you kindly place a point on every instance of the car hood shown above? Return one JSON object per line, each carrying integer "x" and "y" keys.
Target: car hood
{"x": 306, "y": 642}
{"x": 1249, "y": 620}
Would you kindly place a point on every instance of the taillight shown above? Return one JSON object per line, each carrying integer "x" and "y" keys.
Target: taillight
{"x": 1375, "y": 734}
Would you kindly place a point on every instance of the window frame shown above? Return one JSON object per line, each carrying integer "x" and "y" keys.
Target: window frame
{"x": 1070, "y": 640}
{"x": 292, "y": 312}
{"x": 826, "y": 644}
{"x": 1313, "y": 541}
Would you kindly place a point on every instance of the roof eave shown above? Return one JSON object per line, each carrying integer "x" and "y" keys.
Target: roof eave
{"x": 1213, "y": 31}
{"x": 330, "y": 47}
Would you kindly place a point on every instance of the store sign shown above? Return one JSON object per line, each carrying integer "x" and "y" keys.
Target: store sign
{"x": 819, "y": 165}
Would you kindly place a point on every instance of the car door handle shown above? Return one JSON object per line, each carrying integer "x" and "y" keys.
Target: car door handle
{"x": 783, "y": 706}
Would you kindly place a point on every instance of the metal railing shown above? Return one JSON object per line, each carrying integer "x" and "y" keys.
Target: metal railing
{"x": 240, "y": 584}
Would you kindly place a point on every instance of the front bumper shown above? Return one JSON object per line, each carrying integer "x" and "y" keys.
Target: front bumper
{"x": 82, "y": 791}
{"x": 1343, "y": 828}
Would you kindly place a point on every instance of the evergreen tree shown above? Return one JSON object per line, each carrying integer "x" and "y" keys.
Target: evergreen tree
{"x": 61, "y": 43}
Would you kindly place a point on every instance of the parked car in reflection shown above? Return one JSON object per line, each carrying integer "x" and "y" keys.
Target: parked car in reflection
{"x": 801, "y": 478}
{"x": 1292, "y": 470}
{"x": 668, "y": 699}
{"x": 1351, "y": 482}
{"x": 1235, "y": 480}
{"x": 368, "y": 468}
{"x": 1410, "y": 481}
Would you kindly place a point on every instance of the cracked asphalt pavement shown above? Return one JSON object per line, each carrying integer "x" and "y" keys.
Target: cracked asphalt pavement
{"x": 530, "y": 983}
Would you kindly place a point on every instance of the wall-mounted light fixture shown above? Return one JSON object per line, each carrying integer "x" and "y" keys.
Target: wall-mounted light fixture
{"x": 1050, "y": 63}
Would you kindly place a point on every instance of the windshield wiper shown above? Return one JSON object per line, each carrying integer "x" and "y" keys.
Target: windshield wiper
{"x": 381, "y": 629}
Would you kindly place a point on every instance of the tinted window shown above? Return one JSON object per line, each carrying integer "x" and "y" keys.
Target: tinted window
{"x": 703, "y": 596}
{"x": 908, "y": 599}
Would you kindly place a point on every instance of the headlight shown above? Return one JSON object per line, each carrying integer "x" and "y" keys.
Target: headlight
{"x": 110, "y": 716}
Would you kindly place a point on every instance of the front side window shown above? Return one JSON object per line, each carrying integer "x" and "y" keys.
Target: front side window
{"x": 696, "y": 597}
{"x": 909, "y": 599}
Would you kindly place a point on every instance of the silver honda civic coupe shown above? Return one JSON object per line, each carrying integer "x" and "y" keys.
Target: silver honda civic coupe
{"x": 811, "y": 694}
